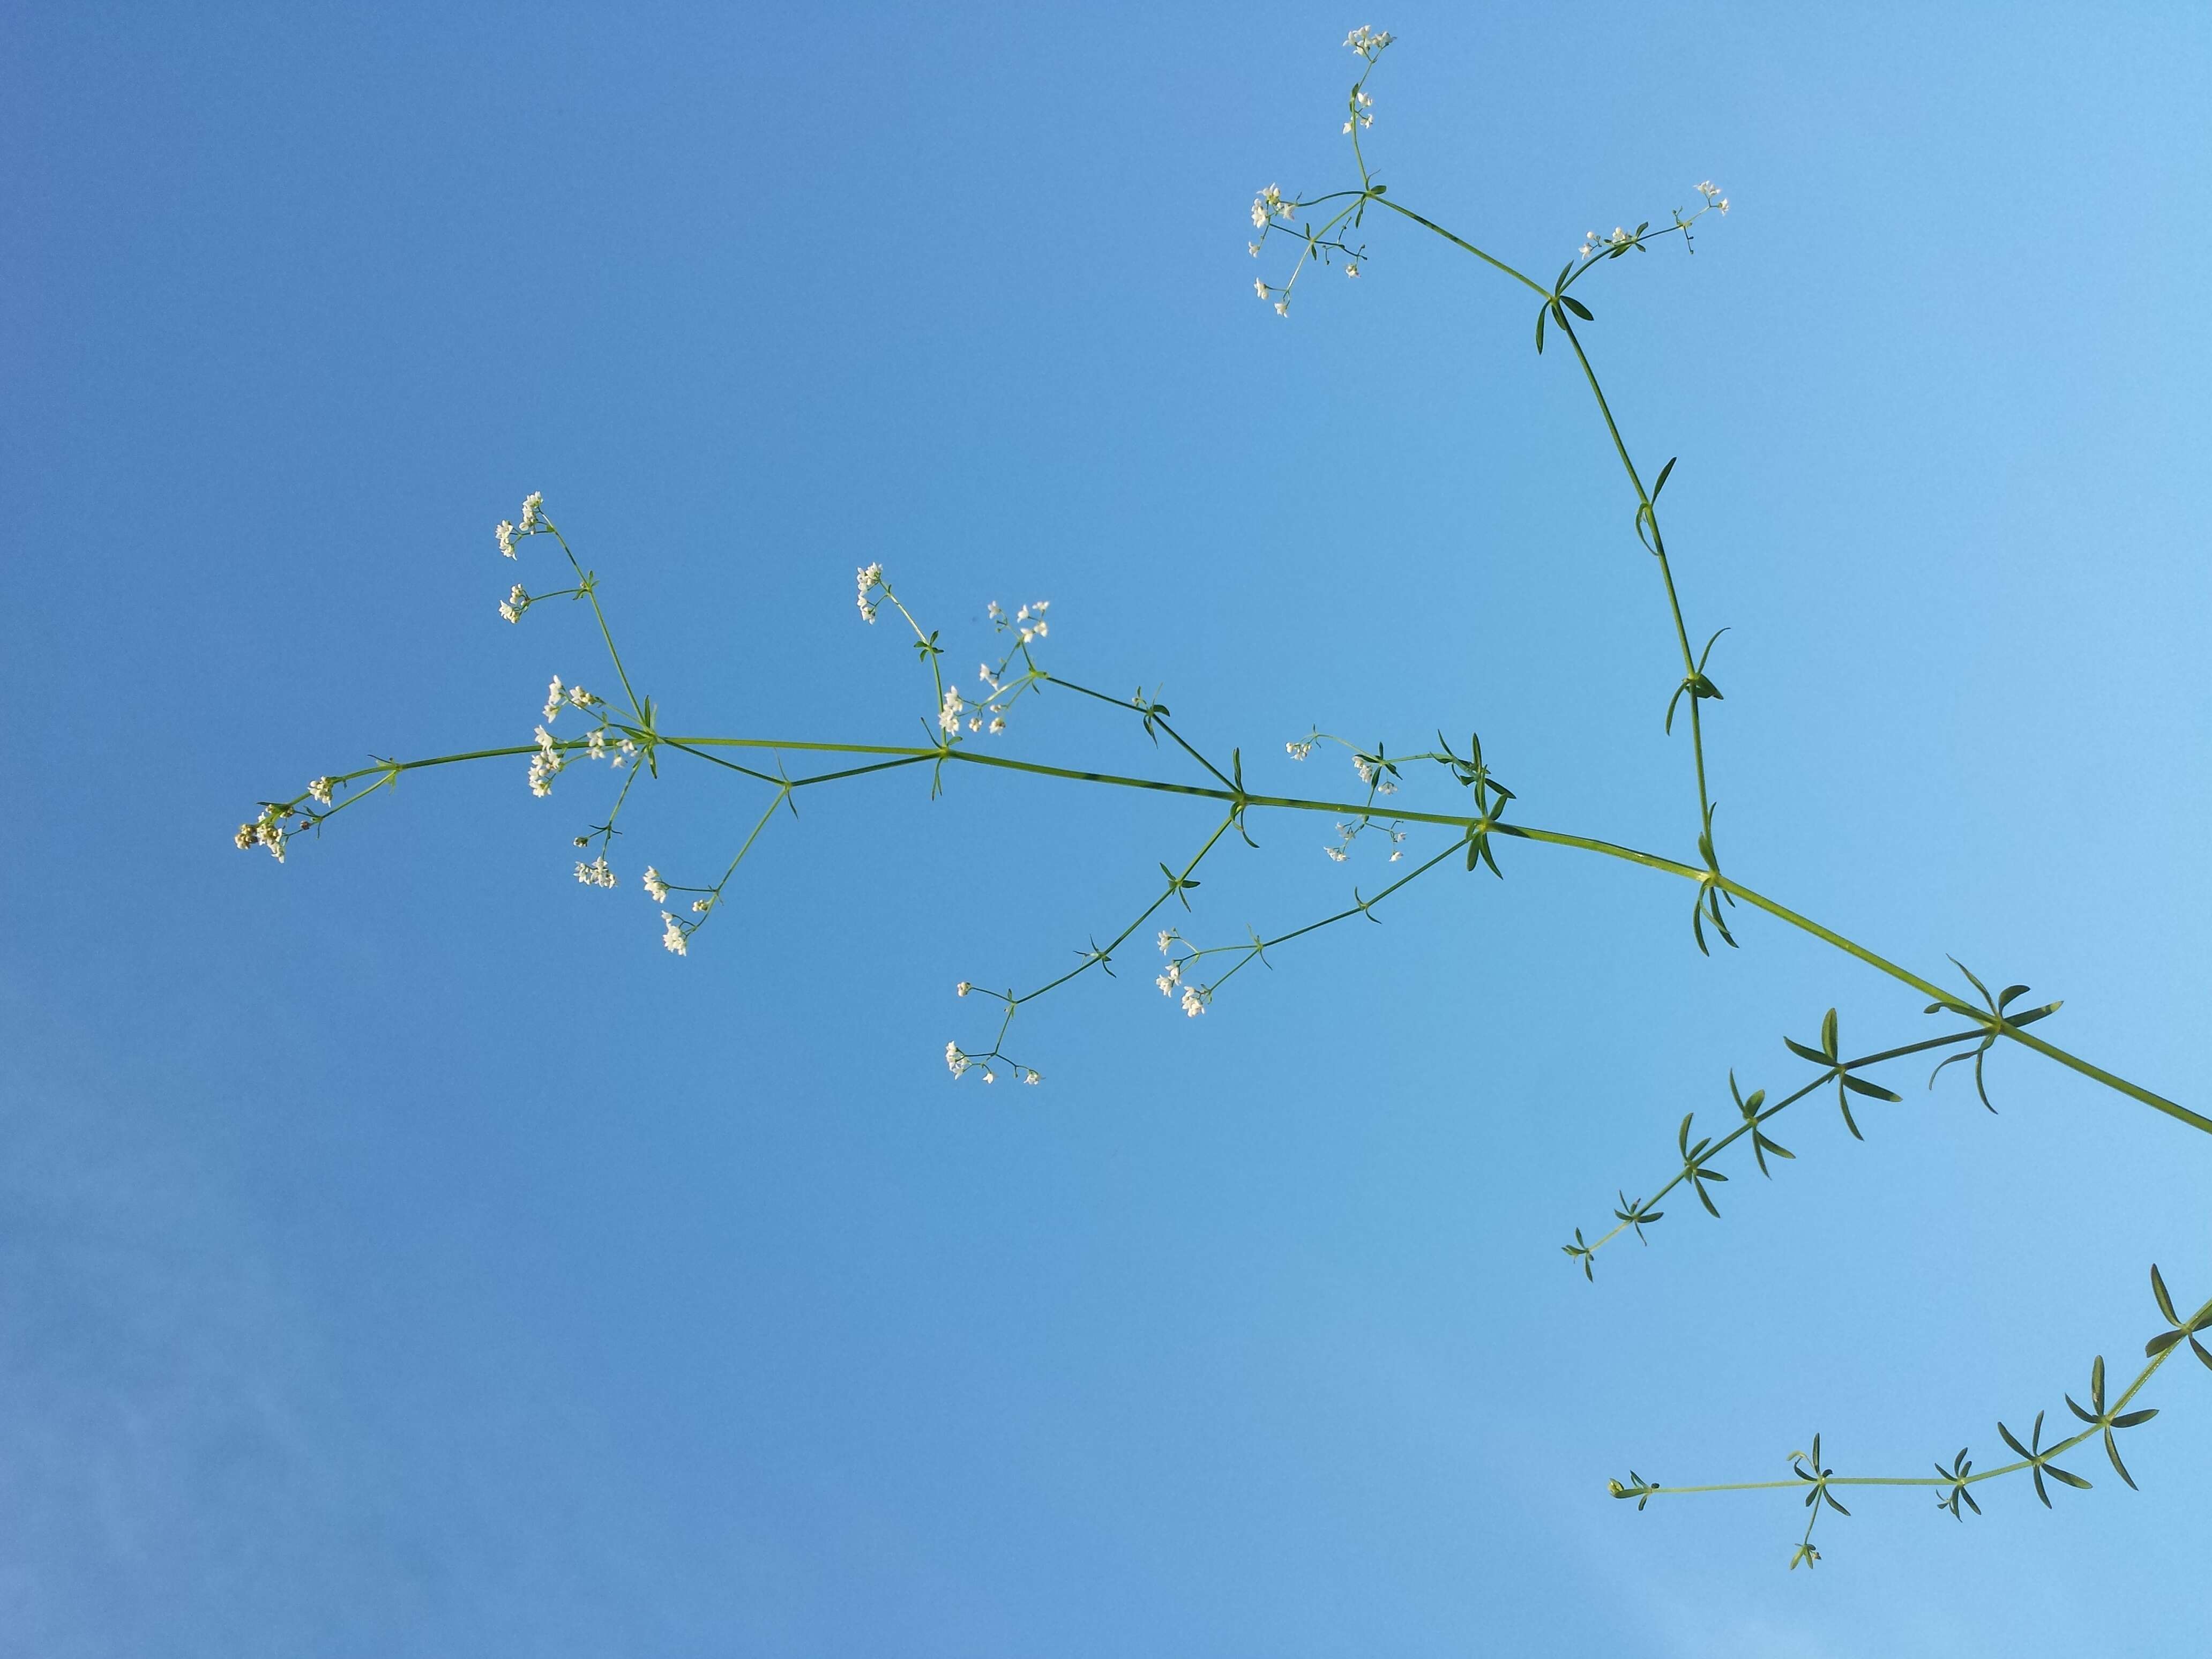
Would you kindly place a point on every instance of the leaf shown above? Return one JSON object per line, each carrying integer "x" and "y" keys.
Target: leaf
{"x": 1828, "y": 1034}
{"x": 2165, "y": 1301}
{"x": 1873, "y": 1090}
{"x": 2072, "y": 1480}
{"x": 2128, "y": 1420}
{"x": 1577, "y": 307}
{"x": 1540, "y": 330}
{"x": 1803, "y": 1053}
{"x": 1663, "y": 472}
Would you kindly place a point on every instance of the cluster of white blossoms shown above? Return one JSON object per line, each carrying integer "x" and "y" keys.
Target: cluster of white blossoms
{"x": 655, "y": 889}
{"x": 1267, "y": 205}
{"x": 1593, "y": 241}
{"x": 545, "y": 764}
{"x": 1711, "y": 193}
{"x": 533, "y": 522}
{"x": 1348, "y": 833}
{"x": 959, "y": 1062}
{"x": 1372, "y": 775}
{"x": 672, "y": 935}
{"x": 948, "y": 712}
{"x": 1027, "y": 623}
{"x": 559, "y": 696}
{"x": 870, "y": 578}
{"x": 597, "y": 873}
{"x": 1363, "y": 108}
{"x": 1171, "y": 981}
{"x": 516, "y": 601}
{"x": 1369, "y": 43}
{"x": 1303, "y": 746}
{"x": 267, "y": 830}
{"x": 320, "y": 789}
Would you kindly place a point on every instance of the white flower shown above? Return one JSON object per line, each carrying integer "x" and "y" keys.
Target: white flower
{"x": 595, "y": 743}
{"x": 265, "y": 831}
{"x": 948, "y": 716}
{"x": 533, "y": 512}
{"x": 672, "y": 935}
{"x": 320, "y": 789}
{"x": 1253, "y": 248}
{"x": 870, "y": 577}
{"x": 507, "y": 538}
{"x": 1193, "y": 1001}
{"x": 700, "y": 906}
{"x": 1336, "y": 853}
{"x": 1032, "y": 1077}
{"x": 516, "y": 603}
{"x": 1301, "y": 748}
{"x": 1167, "y": 938}
{"x": 556, "y": 695}
{"x": 1268, "y": 203}
{"x": 596, "y": 873}
{"x": 1259, "y": 287}
{"x": 1395, "y": 856}
{"x": 1169, "y": 977}
{"x": 955, "y": 1062}
{"x": 998, "y": 725}
{"x": 1282, "y": 307}
{"x": 1368, "y": 42}
{"x": 579, "y": 697}
{"x": 963, "y": 989}
{"x": 1351, "y": 269}
{"x": 544, "y": 764}
{"x": 1365, "y": 766}
{"x": 655, "y": 889}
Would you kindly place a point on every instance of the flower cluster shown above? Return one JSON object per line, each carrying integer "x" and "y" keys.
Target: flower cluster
{"x": 655, "y": 889}
{"x": 1711, "y": 193}
{"x": 266, "y": 830}
{"x": 675, "y": 936}
{"x": 1170, "y": 981}
{"x": 959, "y": 1062}
{"x": 559, "y": 696}
{"x": 596, "y": 873}
{"x": 533, "y": 523}
{"x": 870, "y": 577}
{"x": 1269, "y": 205}
{"x": 545, "y": 764}
{"x": 1369, "y": 43}
{"x": 516, "y": 601}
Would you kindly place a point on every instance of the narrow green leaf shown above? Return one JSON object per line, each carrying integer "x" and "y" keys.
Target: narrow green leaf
{"x": 1663, "y": 472}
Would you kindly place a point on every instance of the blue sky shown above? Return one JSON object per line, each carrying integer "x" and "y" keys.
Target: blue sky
{"x": 400, "y": 1252}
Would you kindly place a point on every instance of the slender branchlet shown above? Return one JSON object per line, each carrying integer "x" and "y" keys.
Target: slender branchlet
{"x": 1425, "y": 809}
{"x": 1954, "y": 1480}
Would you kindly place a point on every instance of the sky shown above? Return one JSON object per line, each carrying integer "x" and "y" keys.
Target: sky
{"x": 402, "y": 1253}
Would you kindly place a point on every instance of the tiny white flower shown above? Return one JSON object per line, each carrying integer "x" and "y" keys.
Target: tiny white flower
{"x": 1350, "y": 269}
{"x": 963, "y": 989}
{"x": 948, "y": 716}
{"x": 1336, "y": 853}
{"x": 320, "y": 789}
{"x": 869, "y": 577}
{"x": 507, "y": 538}
{"x": 955, "y": 1062}
{"x": 579, "y": 697}
{"x": 533, "y": 512}
{"x": 596, "y": 873}
{"x": 556, "y": 695}
{"x": 672, "y": 935}
{"x": 1193, "y": 1001}
{"x": 655, "y": 889}
{"x": 1032, "y": 1077}
{"x": 1167, "y": 938}
{"x": 700, "y": 906}
{"x": 998, "y": 725}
